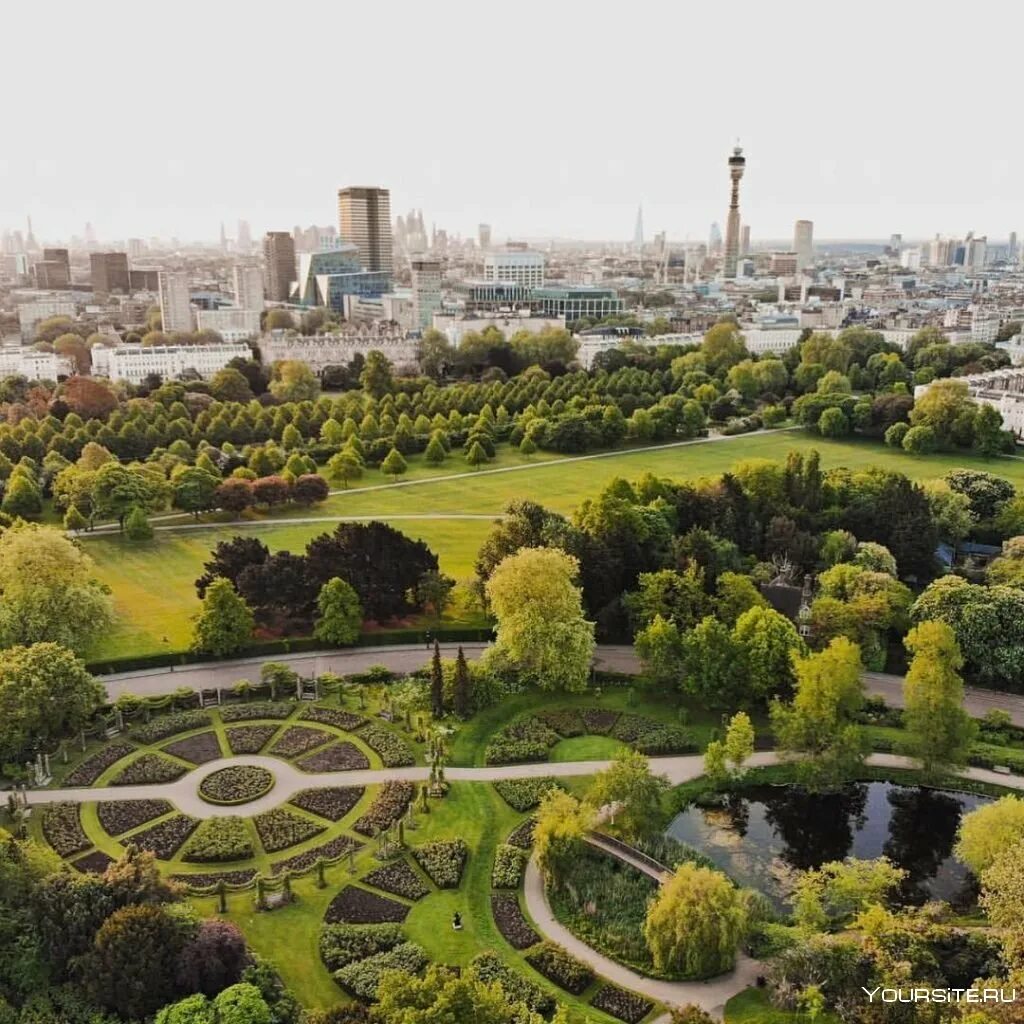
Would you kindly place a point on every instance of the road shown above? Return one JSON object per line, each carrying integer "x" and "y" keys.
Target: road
{"x": 407, "y": 657}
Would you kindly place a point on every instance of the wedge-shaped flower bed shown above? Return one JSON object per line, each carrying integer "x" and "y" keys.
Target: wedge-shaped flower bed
{"x": 93, "y": 863}
{"x": 360, "y": 906}
{"x": 338, "y": 757}
{"x": 249, "y": 739}
{"x": 257, "y": 709}
{"x": 393, "y": 750}
{"x": 236, "y": 784}
{"x": 511, "y": 921}
{"x": 337, "y": 717}
{"x": 598, "y": 721}
{"x": 96, "y": 764}
{"x": 167, "y": 725}
{"x": 388, "y": 806}
{"x": 623, "y": 1005}
{"x": 280, "y": 828}
{"x": 208, "y": 879}
{"x": 561, "y": 968}
{"x": 566, "y": 722}
{"x": 120, "y": 816}
{"x": 336, "y": 847}
{"x": 149, "y": 768}
{"x": 362, "y": 977}
{"x": 332, "y": 803}
{"x": 525, "y": 794}
{"x": 218, "y": 840}
{"x": 62, "y": 827}
{"x": 666, "y": 739}
{"x": 342, "y": 944}
{"x": 443, "y": 860}
{"x": 509, "y": 865}
{"x": 398, "y": 879}
{"x": 297, "y": 739}
{"x": 524, "y": 741}
{"x": 165, "y": 839}
{"x": 198, "y": 749}
{"x": 490, "y": 967}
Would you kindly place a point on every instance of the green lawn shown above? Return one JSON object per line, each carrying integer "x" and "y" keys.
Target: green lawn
{"x": 751, "y": 1006}
{"x": 152, "y": 582}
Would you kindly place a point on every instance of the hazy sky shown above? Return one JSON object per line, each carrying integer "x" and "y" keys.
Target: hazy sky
{"x": 550, "y": 118}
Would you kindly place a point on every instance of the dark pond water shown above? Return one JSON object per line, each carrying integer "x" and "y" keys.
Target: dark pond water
{"x": 764, "y": 836}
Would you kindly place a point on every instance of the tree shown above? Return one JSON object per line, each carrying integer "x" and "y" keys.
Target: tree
{"x": 562, "y": 823}
{"x": 939, "y": 407}
{"x": 194, "y": 489}
{"x": 242, "y": 1004}
{"x": 376, "y": 379}
{"x": 310, "y": 489}
{"x": 739, "y": 741}
{"x": 541, "y": 631}
{"x": 989, "y": 436}
{"x": 660, "y": 649}
{"x": 528, "y": 446}
{"x": 230, "y": 385}
{"x": 48, "y": 590}
{"x": 22, "y": 498}
{"x": 435, "y": 452}
{"x": 696, "y": 922}
{"x": 294, "y": 381}
{"x": 213, "y": 959}
{"x": 1002, "y": 898}
{"x": 834, "y": 894}
{"x": 271, "y": 491}
{"x": 436, "y": 683}
{"x": 136, "y": 525}
{"x": 476, "y": 456}
{"x": 819, "y": 725}
{"x": 676, "y": 596}
{"x": 708, "y": 661}
{"x": 46, "y": 694}
{"x": 633, "y": 793}
{"x": 939, "y": 732}
{"x": 345, "y": 465}
{"x": 340, "y": 615}
{"x": 766, "y": 642}
{"x": 989, "y": 830}
{"x": 74, "y": 521}
{"x": 234, "y": 495}
{"x": 225, "y": 623}
{"x": 394, "y": 464}
{"x": 196, "y": 1009}
{"x": 434, "y": 591}
{"x": 117, "y": 489}
{"x": 833, "y": 422}
{"x": 89, "y": 398}
{"x": 462, "y": 689}
{"x": 736, "y": 594}
{"x": 986, "y": 492}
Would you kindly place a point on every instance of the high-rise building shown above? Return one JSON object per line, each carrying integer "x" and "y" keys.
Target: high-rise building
{"x": 1011, "y": 248}
{"x": 638, "y": 230}
{"x": 175, "y": 305}
{"x": 745, "y": 240}
{"x": 976, "y": 253}
{"x": 248, "y": 286}
{"x": 243, "y": 237}
{"x": 109, "y": 272}
{"x": 279, "y": 264}
{"x": 364, "y": 218}
{"x": 483, "y": 235}
{"x": 803, "y": 243}
{"x": 53, "y": 271}
{"x": 715, "y": 240}
{"x": 737, "y": 164}
{"x": 136, "y": 247}
{"x": 426, "y": 290}
{"x": 523, "y": 266}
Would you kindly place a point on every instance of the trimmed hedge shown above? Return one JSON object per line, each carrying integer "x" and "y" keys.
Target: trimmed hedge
{"x": 218, "y": 840}
{"x": 301, "y": 861}
{"x": 339, "y": 718}
{"x": 398, "y": 879}
{"x": 338, "y": 757}
{"x": 511, "y": 921}
{"x": 198, "y": 749}
{"x": 249, "y": 739}
{"x": 297, "y": 739}
{"x": 621, "y": 1004}
{"x": 360, "y": 906}
{"x": 443, "y": 860}
{"x": 331, "y": 803}
{"x": 342, "y": 944}
{"x": 164, "y": 840}
{"x": 236, "y": 784}
{"x": 522, "y": 834}
{"x": 527, "y": 740}
{"x": 247, "y": 712}
{"x": 119, "y": 816}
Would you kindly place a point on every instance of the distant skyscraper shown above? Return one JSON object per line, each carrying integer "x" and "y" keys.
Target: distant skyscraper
{"x": 1011, "y": 249}
{"x": 31, "y": 245}
{"x": 364, "y": 218}
{"x": 896, "y": 242}
{"x": 53, "y": 271}
{"x": 745, "y": 240}
{"x": 248, "y": 286}
{"x": 90, "y": 235}
{"x": 715, "y": 240}
{"x": 737, "y": 164}
{"x": 243, "y": 237}
{"x": 803, "y": 243}
{"x": 175, "y": 307}
{"x": 483, "y": 235}
{"x": 279, "y": 264}
{"x": 136, "y": 247}
{"x": 638, "y": 230}
{"x": 223, "y": 238}
{"x": 109, "y": 272}
{"x": 426, "y": 290}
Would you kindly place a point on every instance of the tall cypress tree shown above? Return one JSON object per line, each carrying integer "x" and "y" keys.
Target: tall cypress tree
{"x": 463, "y": 685}
{"x": 436, "y": 683}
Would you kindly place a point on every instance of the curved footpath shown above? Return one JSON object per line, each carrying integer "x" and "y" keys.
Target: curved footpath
{"x": 408, "y": 657}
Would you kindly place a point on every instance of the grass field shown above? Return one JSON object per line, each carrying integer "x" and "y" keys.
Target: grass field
{"x": 152, "y": 582}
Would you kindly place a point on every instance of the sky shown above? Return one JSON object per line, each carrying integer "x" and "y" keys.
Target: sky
{"x": 544, "y": 119}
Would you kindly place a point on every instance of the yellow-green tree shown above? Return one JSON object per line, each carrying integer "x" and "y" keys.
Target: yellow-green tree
{"x": 633, "y": 792}
{"x": 562, "y": 823}
{"x": 989, "y": 830}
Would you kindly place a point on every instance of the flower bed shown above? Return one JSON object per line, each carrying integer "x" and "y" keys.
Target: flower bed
{"x": 360, "y": 906}
{"x": 489, "y": 967}
{"x": 388, "y": 806}
{"x": 198, "y": 749}
{"x": 598, "y": 721}
{"x": 332, "y": 803}
{"x": 62, "y": 827}
{"x": 522, "y": 834}
{"x": 509, "y": 865}
{"x": 249, "y": 739}
{"x": 362, "y": 977}
{"x": 566, "y": 722}
{"x": 237, "y": 784}
{"x": 342, "y": 944}
{"x": 167, "y": 725}
{"x": 257, "y": 709}
{"x": 149, "y": 768}
{"x": 511, "y": 921}
{"x": 218, "y": 840}
{"x": 524, "y": 741}
{"x": 443, "y": 860}
{"x": 398, "y": 879}
{"x": 525, "y": 794}
{"x": 337, "y": 717}
{"x": 561, "y": 968}
{"x": 629, "y": 727}
{"x": 93, "y": 863}
{"x": 120, "y": 816}
{"x": 393, "y": 750}
{"x": 338, "y": 757}
{"x": 297, "y": 739}
{"x": 208, "y": 879}
{"x": 666, "y": 739}
{"x": 165, "y": 839}
{"x": 338, "y": 846}
{"x": 280, "y": 828}
{"x": 96, "y": 764}
{"x": 623, "y": 1005}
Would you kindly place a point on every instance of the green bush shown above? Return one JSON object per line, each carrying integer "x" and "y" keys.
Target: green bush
{"x": 218, "y": 840}
{"x": 362, "y": 977}
{"x": 149, "y": 768}
{"x": 561, "y": 968}
{"x": 443, "y": 860}
{"x": 237, "y": 784}
{"x": 489, "y": 967}
{"x": 280, "y": 828}
{"x": 525, "y": 794}
{"x": 342, "y": 944}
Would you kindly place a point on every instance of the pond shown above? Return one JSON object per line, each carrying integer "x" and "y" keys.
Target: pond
{"x": 763, "y": 836}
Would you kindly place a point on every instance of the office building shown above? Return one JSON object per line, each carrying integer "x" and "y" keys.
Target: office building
{"x": 134, "y": 363}
{"x": 784, "y": 264}
{"x": 325, "y": 278}
{"x": 364, "y": 220}
{"x": 737, "y": 164}
{"x": 575, "y": 302}
{"x": 517, "y": 265}
{"x": 233, "y": 325}
{"x": 975, "y": 253}
{"x": 745, "y": 240}
{"x": 483, "y": 235}
{"x": 248, "y": 286}
{"x": 803, "y": 243}
{"x": 43, "y": 307}
{"x": 53, "y": 271}
{"x": 144, "y": 279}
{"x": 243, "y": 238}
{"x": 109, "y": 272}
{"x": 426, "y": 290}
{"x": 175, "y": 301}
{"x": 279, "y": 265}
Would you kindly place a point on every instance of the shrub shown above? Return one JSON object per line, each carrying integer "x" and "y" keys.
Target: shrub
{"x": 168, "y": 725}
{"x": 509, "y": 865}
{"x": 120, "y": 816}
{"x": 62, "y": 827}
{"x": 149, "y": 768}
{"x": 560, "y": 967}
{"x": 394, "y": 751}
{"x": 280, "y": 828}
{"x": 298, "y": 739}
{"x": 237, "y": 784}
{"x": 525, "y": 794}
{"x": 666, "y": 739}
{"x": 443, "y": 860}
{"x": 360, "y": 906}
{"x": 198, "y": 749}
{"x": 342, "y": 944}
{"x": 249, "y": 739}
{"x": 96, "y": 764}
{"x": 362, "y": 977}
{"x": 164, "y": 840}
{"x": 218, "y": 840}
{"x": 623, "y": 1005}
{"x": 398, "y": 879}
{"x": 388, "y": 806}
{"x": 333, "y": 803}
{"x": 489, "y": 967}
{"x": 338, "y": 757}
{"x": 511, "y": 921}
{"x": 337, "y": 847}
{"x": 257, "y": 709}
{"x": 337, "y": 717}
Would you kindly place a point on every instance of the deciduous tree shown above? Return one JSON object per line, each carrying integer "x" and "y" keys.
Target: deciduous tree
{"x": 225, "y": 623}
{"x": 340, "y": 616}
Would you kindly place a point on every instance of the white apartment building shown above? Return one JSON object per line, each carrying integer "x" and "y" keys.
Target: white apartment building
{"x": 523, "y": 266}
{"x": 231, "y": 324}
{"x": 133, "y": 363}
{"x": 319, "y": 351}
{"x": 1001, "y": 389}
{"x": 455, "y": 326}
{"x": 27, "y": 362}
{"x": 36, "y": 310}
{"x": 248, "y": 281}
{"x": 175, "y": 301}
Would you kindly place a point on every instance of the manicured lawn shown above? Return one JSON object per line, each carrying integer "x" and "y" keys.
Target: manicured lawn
{"x": 586, "y": 748}
{"x": 751, "y": 1006}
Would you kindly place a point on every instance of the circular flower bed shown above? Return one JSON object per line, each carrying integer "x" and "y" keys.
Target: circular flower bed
{"x": 236, "y": 785}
